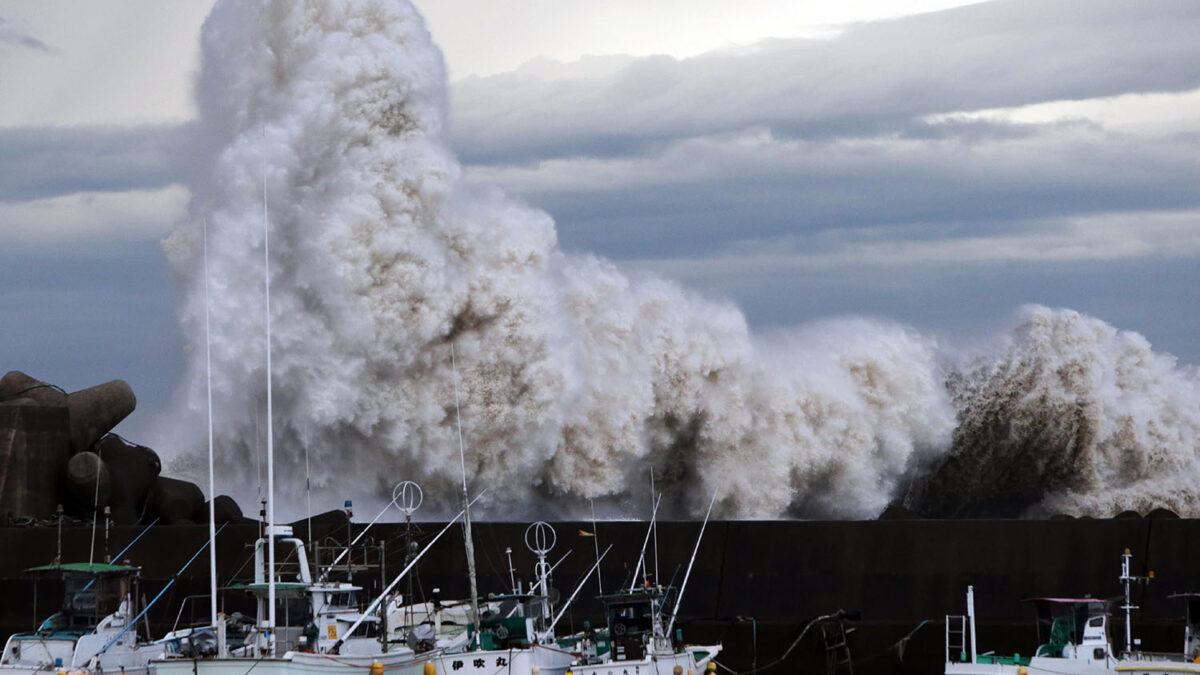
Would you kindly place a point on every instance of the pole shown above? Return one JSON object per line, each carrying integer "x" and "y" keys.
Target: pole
{"x": 470, "y": 544}
{"x": 212, "y": 485}
{"x": 683, "y": 586}
{"x": 270, "y": 440}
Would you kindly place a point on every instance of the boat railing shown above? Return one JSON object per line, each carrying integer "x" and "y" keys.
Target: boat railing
{"x": 1154, "y": 656}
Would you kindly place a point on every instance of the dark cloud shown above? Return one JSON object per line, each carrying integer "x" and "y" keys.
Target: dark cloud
{"x": 875, "y": 78}
{"x": 11, "y": 36}
{"x": 968, "y": 301}
{"x": 42, "y": 162}
{"x": 906, "y": 190}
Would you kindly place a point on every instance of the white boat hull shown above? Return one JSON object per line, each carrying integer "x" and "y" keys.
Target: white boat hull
{"x": 1041, "y": 665}
{"x": 693, "y": 660}
{"x": 293, "y": 663}
{"x": 547, "y": 660}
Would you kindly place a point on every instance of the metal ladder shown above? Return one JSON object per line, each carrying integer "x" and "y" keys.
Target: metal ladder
{"x": 837, "y": 649}
{"x": 956, "y": 638}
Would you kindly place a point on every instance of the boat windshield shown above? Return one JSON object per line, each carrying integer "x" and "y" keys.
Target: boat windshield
{"x": 89, "y": 599}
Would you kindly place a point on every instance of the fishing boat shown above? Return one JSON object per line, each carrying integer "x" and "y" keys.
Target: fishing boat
{"x": 1073, "y": 637}
{"x": 320, "y": 628}
{"x": 91, "y": 632}
{"x": 638, "y": 639}
{"x": 515, "y": 630}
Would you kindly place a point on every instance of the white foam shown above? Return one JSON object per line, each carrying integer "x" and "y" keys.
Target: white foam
{"x": 576, "y": 378}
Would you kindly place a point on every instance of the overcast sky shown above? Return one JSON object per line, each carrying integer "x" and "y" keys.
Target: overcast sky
{"x": 937, "y": 163}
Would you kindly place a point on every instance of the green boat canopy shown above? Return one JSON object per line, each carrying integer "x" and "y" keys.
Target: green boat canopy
{"x": 86, "y": 568}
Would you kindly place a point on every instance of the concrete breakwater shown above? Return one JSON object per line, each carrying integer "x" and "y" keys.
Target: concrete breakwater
{"x": 56, "y": 449}
{"x": 755, "y": 586}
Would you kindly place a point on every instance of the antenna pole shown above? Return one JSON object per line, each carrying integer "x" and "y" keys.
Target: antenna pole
{"x": 642, "y": 557}
{"x": 470, "y": 544}
{"x": 1127, "y": 581}
{"x": 212, "y": 486}
{"x": 596, "y": 542}
{"x": 656, "y": 578}
{"x": 512, "y": 571}
{"x": 270, "y": 440}
{"x": 683, "y": 586}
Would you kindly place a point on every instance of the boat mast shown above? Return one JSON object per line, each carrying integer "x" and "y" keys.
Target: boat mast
{"x": 270, "y": 440}
{"x": 470, "y": 545}
{"x": 642, "y": 557}
{"x": 1127, "y": 580}
{"x": 596, "y": 543}
{"x": 212, "y": 494}
{"x": 683, "y": 586}
{"x": 657, "y": 581}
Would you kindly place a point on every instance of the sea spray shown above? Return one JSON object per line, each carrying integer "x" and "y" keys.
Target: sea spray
{"x": 578, "y": 378}
{"x": 1071, "y": 416}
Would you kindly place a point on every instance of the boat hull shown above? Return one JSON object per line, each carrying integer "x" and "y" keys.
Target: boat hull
{"x": 1054, "y": 666}
{"x": 293, "y": 663}
{"x": 547, "y": 660}
{"x": 692, "y": 660}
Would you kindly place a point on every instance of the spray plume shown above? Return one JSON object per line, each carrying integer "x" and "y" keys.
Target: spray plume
{"x": 577, "y": 378}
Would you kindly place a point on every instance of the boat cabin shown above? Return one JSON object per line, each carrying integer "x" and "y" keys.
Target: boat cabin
{"x": 309, "y": 615}
{"x": 634, "y": 620}
{"x": 1073, "y": 628}
{"x": 1191, "y": 628}
{"x": 96, "y": 606}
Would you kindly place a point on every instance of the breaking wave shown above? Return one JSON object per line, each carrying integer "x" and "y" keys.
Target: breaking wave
{"x": 577, "y": 378}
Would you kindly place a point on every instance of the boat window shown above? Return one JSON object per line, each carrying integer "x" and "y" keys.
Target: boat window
{"x": 1096, "y": 622}
{"x": 293, "y": 612}
{"x": 346, "y": 599}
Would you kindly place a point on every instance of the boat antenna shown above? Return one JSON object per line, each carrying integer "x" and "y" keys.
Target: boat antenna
{"x": 308, "y": 502}
{"x": 596, "y": 542}
{"x": 656, "y": 579}
{"x": 95, "y": 511}
{"x": 107, "y": 525}
{"x": 270, "y": 441}
{"x": 686, "y": 575}
{"x": 512, "y": 571}
{"x": 470, "y": 546}
{"x": 1127, "y": 580}
{"x": 642, "y": 557}
{"x": 540, "y": 539}
{"x": 212, "y": 485}
{"x": 58, "y": 511}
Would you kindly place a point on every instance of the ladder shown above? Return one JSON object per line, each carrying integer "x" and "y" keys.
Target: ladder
{"x": 837, "y": 648}
{"x": 956, "y": 638}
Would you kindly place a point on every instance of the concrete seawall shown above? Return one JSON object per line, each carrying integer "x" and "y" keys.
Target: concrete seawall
{"x": 755, "y": 585}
